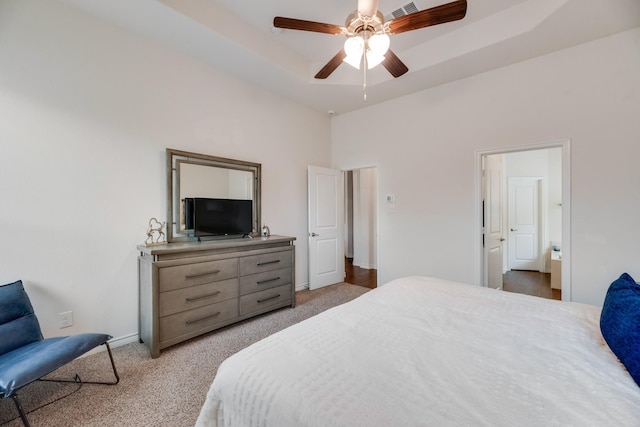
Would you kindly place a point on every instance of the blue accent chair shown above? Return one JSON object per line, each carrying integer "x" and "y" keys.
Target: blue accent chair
{"x": 26, "y": 356}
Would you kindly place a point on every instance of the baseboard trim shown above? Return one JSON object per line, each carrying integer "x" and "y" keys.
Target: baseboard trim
{"x": 124, "y": 340}
{"x": 113, "y": 343}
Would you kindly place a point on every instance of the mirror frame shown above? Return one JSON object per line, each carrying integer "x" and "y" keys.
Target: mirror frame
{"x": 173, "y": 187}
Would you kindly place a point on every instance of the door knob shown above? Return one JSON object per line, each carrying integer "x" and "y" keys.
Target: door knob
{"x": 502, "y": 239}
{"x": 514, "y": 229}
{"x": 314, "y": 235}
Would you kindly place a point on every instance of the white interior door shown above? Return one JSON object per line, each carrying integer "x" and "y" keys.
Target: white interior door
{"x": 493, "y": 223}
{"x": 524, "y": 203}
{"x": 326, "y": 240}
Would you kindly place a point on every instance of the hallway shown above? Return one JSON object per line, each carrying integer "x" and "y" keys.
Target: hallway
{"x": 530, "y": 283}
{"x": 360, "y": 276}
{"x": 519, "y": 281}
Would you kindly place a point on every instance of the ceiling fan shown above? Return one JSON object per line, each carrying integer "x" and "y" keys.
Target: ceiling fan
{"x": 368, "y": 34}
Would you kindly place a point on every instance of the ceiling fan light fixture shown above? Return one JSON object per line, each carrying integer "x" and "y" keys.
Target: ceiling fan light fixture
{"x": 373, "y": 59}
{"x": 354, "y": 48}
{"x": 354, "y": 61}
{"x": 379, "y": 44}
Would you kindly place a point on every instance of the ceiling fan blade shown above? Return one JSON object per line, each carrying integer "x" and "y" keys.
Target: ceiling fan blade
{"x": 302, "y": 25}
{"x": 368, "y": 7}
{"x": 393, "y": 64}
{"x": 331, "y": 66}
{"x": 436, "y": 15}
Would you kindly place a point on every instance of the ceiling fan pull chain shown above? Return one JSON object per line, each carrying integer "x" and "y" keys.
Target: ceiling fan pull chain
{"x": 364, "y": 79}
{"x": 365, "y": 66}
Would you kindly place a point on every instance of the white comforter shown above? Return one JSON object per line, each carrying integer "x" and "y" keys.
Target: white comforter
{"x": 427, "y": 352}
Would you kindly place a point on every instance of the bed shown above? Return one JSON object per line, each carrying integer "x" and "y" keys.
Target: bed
{"x": 422, "y": 351}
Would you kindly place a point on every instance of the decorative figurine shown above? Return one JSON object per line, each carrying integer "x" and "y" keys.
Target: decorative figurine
{"x": 265, "y": 231}
{"x": 155, "y": 233}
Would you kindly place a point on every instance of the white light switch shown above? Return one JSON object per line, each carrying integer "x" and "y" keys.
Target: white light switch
{"x": 391, "y": 203}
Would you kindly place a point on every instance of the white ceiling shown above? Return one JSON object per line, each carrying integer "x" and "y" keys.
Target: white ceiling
{"x": 237, "y": 36}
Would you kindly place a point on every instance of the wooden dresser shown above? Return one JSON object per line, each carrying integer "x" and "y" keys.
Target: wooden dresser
{"x": 188, "y": 289}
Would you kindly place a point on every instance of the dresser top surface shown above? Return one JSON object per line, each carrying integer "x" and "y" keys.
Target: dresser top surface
{"x": 243, "y": 243}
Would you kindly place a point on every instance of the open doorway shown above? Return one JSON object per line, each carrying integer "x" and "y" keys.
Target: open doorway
{"x": 361, "y": 225}
{"x": 524, "y": 219}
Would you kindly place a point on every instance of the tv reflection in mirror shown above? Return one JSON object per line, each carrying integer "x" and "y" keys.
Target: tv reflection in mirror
{"x": 218, "y": 217}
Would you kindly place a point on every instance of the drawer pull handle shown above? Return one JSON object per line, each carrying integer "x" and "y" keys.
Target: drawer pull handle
{"x": 192, "y": 299}
{"x": 268, "y": 299}
{"x": 260, "y": 264}
{"x": 190, "y": 322}
{"x": 262, "y": 282}
{"x": 193, "y": 276}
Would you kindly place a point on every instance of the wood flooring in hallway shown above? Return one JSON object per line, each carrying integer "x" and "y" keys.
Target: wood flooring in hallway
{"x": 530, "y": 283}
{"x": 360, "y": 276}
{"x": 518, "y": 281}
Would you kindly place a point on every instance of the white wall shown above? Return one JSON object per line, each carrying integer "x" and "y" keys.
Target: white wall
{"x": 86, "y": 113}
{"x": 425, "y": 147}
{"x": 364, "y": 218}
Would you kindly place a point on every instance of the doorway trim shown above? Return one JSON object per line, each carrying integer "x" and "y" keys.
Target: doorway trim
{"x": 565, "y": 145}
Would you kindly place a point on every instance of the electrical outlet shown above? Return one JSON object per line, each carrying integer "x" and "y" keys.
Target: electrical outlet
{"x": 65, "y": 319}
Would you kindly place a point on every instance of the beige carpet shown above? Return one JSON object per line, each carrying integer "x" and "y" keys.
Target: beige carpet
{"x": 167, "y": 391}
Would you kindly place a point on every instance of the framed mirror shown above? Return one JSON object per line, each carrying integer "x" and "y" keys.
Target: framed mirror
{"x": 194, "y": 175}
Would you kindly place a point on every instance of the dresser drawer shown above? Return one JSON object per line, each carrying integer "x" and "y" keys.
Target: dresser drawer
{"x": 200, "y": 318}
{"x": 264, "y": 300}
{"x": 266, "y": 280}
{"x": 197, "y": 296}
{"x": 265, "y": 262}
{"x": 199, "y": 273}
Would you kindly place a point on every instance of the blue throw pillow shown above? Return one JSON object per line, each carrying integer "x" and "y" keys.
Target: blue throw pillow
{"x": 620, "y": 323}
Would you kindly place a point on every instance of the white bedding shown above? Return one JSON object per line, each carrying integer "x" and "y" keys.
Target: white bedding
{"x": 427, "y": 352}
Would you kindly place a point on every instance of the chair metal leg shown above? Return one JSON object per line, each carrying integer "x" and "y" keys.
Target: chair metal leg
{"x": 113, "y": 366}
{"x": 23, "y": 415}
{"x": 77, "y": 377}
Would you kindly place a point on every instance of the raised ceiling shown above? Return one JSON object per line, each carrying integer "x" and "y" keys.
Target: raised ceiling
{"x": 238, "y": 36}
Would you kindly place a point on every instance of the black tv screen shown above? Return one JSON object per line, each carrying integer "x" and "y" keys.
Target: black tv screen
{"x": 188, "y": 213}
{"x": 220, "y": 217}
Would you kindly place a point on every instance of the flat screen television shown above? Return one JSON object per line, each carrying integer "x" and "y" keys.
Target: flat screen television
{"x": 222, "y": 217}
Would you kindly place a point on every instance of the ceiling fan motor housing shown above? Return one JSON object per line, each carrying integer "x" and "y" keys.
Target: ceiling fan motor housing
{"x": 357, "y": 23}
